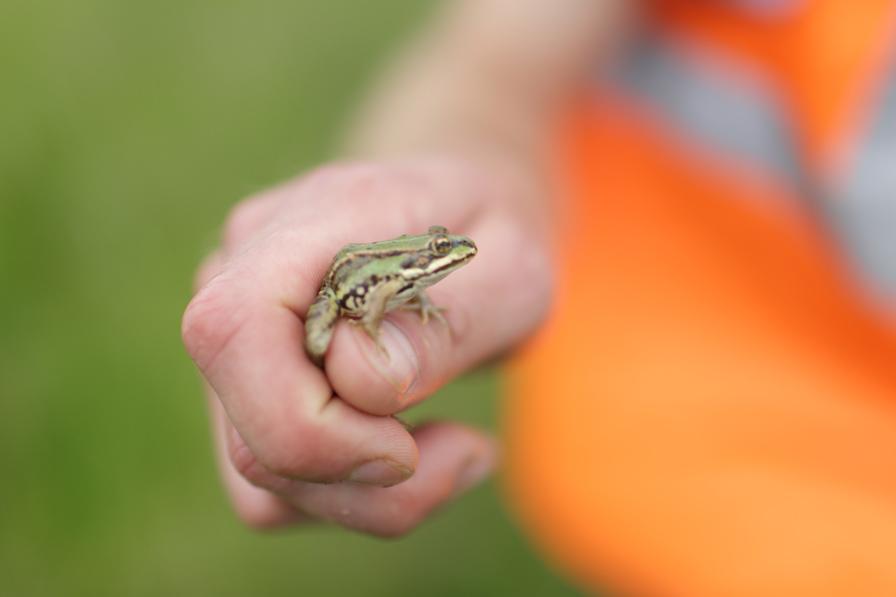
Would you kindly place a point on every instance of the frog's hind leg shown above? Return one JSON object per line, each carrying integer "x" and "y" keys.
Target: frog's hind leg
{"x": 319, "y": 323}
{"x": 427, "y": 309}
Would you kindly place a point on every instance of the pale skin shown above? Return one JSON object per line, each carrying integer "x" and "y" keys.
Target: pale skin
{"x": 454, "y": 136}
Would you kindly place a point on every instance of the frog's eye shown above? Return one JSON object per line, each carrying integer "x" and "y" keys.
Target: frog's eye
{"x": 438, "y": 230}
{"x": 441, "y": 245}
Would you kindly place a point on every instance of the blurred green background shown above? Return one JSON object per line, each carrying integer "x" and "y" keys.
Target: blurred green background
{"x": 127, "y": 130}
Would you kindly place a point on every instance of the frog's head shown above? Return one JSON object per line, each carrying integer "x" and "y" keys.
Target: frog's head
{"x": 437, "y": 254}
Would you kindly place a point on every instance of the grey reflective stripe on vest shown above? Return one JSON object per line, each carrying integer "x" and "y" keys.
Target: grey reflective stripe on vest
{"x": 724, "y": 111}
{"x": 863, "y": 208}
{"x": 735, "y": 114}
{"x": 770, "y": 8}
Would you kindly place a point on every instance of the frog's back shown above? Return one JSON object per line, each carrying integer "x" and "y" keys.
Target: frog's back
{"x": 354, "y": 256}
{"x": 348, "y": 269}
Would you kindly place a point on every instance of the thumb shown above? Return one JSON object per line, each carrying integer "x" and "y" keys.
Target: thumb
{"x": 490, "y": 305}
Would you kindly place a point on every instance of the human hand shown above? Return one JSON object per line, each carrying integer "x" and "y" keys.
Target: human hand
{"x": 296, "y": 443}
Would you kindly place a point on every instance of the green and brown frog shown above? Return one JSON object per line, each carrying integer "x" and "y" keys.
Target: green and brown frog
{"x": 366, "y": 281}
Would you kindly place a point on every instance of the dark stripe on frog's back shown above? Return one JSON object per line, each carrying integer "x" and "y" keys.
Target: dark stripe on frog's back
{"x": 357, "y": 259}
{"x": 385, "y": 248}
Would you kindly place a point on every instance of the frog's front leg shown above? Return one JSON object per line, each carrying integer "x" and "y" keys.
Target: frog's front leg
{"x": 375, "y": 308}
{"x": 420, "y": 302}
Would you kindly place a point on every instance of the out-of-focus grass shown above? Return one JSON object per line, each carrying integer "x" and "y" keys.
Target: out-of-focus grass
{"x": 127, "y": 129}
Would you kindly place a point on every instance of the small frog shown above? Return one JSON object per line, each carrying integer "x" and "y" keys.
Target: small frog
{"x": 365, "y": 281}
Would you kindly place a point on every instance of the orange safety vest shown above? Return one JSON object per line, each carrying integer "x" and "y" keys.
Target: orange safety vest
{"x": 711, "y": 409}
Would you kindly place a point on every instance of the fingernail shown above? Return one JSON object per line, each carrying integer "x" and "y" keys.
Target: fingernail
{"x": 380, "y": 472}
{"x": 398, "y": 363}
{"x": 474, "y": 470}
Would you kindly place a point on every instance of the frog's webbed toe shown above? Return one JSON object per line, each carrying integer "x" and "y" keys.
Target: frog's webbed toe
{"x": 372, "y": 329}
{"x": 426, "y": 308}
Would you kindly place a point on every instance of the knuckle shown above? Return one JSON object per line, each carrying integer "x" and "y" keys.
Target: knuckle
{"x": 209, "y": 268}
{"x": 244, "y": 218}
{"x": 253, "y": 469}
{"x": 292, "y": 448}
{"x": 355, "y": 183}
{"x": 284, "y": 460}
{"x": 207, "y": 326}
{"x": 360, "y": 182}
{"x": 340, "y": 175}
{"x": 292, "y": 452}
{"x": 246, "y": 464}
